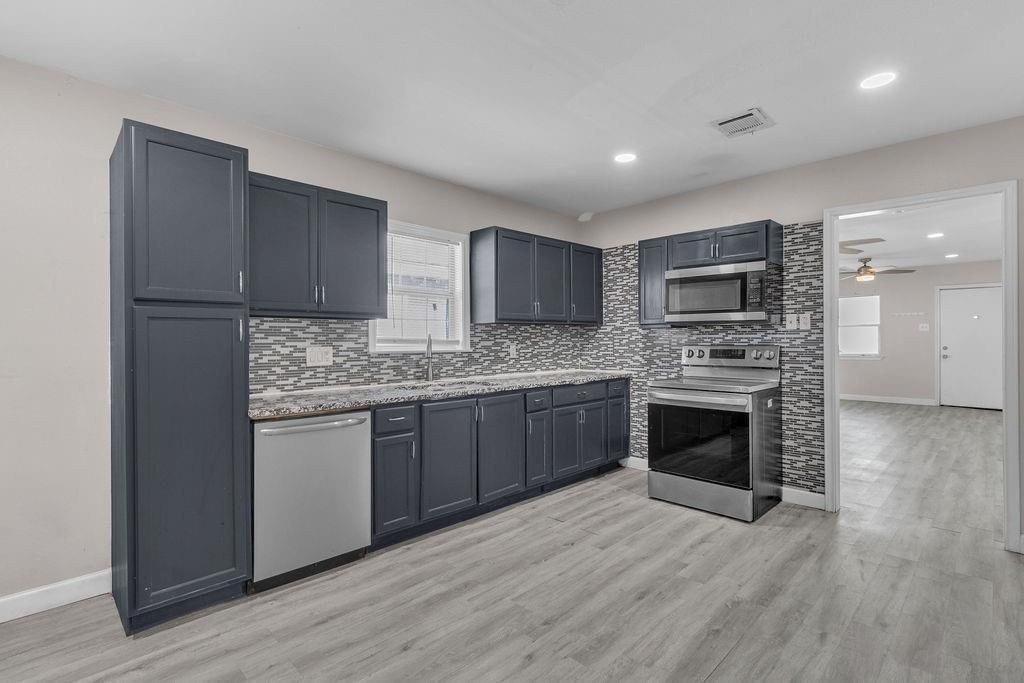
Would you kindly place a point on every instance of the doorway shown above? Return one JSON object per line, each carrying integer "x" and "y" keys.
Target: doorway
{"x": 881, "y": 307}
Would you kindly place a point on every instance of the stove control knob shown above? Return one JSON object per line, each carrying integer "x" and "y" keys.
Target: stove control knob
{"x": 700, "y": 354}
{"x": 756, "y": 354}
{"x": 769, "y": 355}
{"x": 689, "y": 353}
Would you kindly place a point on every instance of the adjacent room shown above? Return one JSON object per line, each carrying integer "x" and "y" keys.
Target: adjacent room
{"x": 533, "y": 340}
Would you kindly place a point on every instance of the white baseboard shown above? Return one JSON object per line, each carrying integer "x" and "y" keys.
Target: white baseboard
{"x": 635, "y": 463}
{"x": 890, "y": 399}
{"x": 805, "y": 498}
{"x": 17, "y": 605}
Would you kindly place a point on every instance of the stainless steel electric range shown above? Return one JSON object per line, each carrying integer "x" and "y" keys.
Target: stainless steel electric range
{"x": 715, "y": 433}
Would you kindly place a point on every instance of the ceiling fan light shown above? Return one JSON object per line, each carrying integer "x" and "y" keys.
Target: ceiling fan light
{"x": 865, "y": 277}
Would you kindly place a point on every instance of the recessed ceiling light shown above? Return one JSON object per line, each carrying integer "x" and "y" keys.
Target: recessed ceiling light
{"x": 878, "y": 80}
{"x": 585, "y": 216}
{"x": 952, "y": 255}
{"x": 936, "y": 235}
{"x": 862, "y": 214}
{"x": 625, "y": 157}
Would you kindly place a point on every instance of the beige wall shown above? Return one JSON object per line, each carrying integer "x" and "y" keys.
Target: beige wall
{"x": 56, "y": 134}
{"x": 907, "y": 366}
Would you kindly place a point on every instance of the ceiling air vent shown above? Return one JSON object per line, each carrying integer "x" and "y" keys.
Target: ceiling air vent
{"x": 744, "y": 123}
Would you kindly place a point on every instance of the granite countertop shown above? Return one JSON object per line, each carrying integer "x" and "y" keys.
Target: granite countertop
{"x": 306, "y": 403}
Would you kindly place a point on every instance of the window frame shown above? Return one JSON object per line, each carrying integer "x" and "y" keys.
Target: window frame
{"x": 878, "y": 329}
{"x": 422, "y": 231}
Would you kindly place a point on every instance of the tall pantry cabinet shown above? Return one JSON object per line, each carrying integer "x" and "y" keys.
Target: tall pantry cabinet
{"x": 181, "y": 513}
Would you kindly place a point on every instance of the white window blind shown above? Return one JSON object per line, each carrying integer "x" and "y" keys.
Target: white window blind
{"x": 426, "y": 291}
{"x": 859, "y": 321}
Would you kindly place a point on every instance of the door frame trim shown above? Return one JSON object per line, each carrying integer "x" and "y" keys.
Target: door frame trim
{"x": 1007, "y": 190}
{"x": 938, "y": 321}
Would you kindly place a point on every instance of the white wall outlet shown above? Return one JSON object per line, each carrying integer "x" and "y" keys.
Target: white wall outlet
{"x": 923, "y": 327}
{"x": 319, "y": 356}
{"x": 805, "y": 321}
{"x": 792, "y": 321}
{"x": 513, "y": 351}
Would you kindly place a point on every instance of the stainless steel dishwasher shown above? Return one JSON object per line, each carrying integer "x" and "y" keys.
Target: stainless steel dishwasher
{"x": 311, "y": 495}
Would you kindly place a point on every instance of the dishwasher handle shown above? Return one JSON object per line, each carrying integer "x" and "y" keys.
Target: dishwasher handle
{"x": 337, "y": 424}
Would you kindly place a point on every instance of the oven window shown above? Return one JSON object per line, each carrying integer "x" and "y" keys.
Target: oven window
{"x": 695, "y": 296}
{"x": 702, "y": 443}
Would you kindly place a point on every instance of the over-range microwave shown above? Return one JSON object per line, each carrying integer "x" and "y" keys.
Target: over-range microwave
{"x": 726, "y": 292}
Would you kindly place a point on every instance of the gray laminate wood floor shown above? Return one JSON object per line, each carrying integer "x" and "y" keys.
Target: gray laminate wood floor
{"x": 596, "y": 582}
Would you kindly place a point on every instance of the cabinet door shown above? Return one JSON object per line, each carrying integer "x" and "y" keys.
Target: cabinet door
{"x": 594, "y": 434}
{"x": 353, "y": 237}
{"x": 191, "y": 463}
{"x": 448, "y": 469}
{"x": 551, "y": 275}
{"x": 538, "y": 448}
{"x": 740, "y": 243}
{"x": 653, "y": 262}
{"x": 565, "y": 441}
{"x": 501, "y": 446}
{"x": 617, "y": 428}
{"x": 282, "y": 245}
{"x": 188, "y": 217}
{"x": 515, "y": 276}
{"x": 585, "y": 289}
{"x": 396, "y": 483}
{"x": 692, "y": 249}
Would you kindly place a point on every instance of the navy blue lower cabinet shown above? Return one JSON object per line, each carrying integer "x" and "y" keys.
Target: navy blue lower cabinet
{"x": 617, "y": 428}
{"x": 501, "y": 446}
{"x": 396, "y": 483}
{"x": 538, "y": 448}
{"x": 449, "y": 467}
{"x": 593, "y": 435}
{"x": 565, "y": 441}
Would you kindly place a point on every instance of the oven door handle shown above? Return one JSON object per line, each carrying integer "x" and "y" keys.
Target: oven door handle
{"x": 701, "y": 399}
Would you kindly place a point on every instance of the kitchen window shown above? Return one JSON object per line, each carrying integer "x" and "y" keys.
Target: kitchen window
{"x": 859, "y": 322}
{"x": 428, "y": 272}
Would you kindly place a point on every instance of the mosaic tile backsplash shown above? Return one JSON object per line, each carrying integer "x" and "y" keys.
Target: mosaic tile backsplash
{"x": 278, "y": 351}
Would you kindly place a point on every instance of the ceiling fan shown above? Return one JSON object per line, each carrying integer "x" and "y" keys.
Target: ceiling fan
{"x": 867, "y": 273}
{"x": 846, "y": 246}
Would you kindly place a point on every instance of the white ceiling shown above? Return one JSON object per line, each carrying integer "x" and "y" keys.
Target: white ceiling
{"x": 531, "y": 98}
{"x": 971, "y": 227}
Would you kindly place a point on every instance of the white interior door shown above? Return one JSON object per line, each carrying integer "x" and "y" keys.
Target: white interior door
{"x": 971, "y": 347}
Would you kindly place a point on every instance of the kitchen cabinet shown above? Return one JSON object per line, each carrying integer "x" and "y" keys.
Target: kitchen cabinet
{"x": 585, "y": 288}
{"x": 653, "y": 262}
{"x": 449, "y": 465}
{"x": 190, "y": 474}
{"x": 618, "y": 428}
{"x": 516, "y": 277}
{"x": 538, "y": 448}
{"x": 283, "y": 247}
{"x": 565, "y": 441}
{"x": 184, "y": 215}
{"x": 593, "y": 440}
{"x": 756, "y": 241}
{"x": 501, "y": 446}
{"x": 741, "y": 243}
{"x": 316, "y": 252}
{"x": 396, "y": 483}
{"x": 692, "y": 249}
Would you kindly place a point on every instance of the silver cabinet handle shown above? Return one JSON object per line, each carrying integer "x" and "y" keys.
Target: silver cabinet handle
{"x": 481, "y": 412}
{"x": 276, "y": 431}
{"x": 239, "y": 282}
{"x": 240, "y": 329}
{"x": 574, "y": 310}
{"x": 316, "y": 294}
{"x": 529, "y": 426}
{"x": 413, "y": 450}
{"x": 323, "y": 294}
{"x": 396, "y": 419}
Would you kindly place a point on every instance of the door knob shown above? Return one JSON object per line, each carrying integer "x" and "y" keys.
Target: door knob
{"x": 945, "y": 355}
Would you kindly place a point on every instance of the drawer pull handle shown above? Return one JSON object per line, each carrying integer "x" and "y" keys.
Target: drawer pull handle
{"x": 538, "y": 400}
{"x": 580, "y": 394}
{"x": 396, "y": 419}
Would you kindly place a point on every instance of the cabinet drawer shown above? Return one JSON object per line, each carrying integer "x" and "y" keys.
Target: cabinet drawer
{"x": 578, "y": 393}
{"x": 538, "y": 400}
{"x": 393, "y": 420}
{"x": 616, "y": 388}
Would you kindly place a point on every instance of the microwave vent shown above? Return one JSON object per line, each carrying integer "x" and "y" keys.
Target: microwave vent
{"x": 745, "y": 123}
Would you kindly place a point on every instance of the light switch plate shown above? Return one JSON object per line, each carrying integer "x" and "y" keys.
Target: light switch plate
{"x": 805, "y": 321}
{"x": 923, "y": 327}
{"x": 513, "y": 352}
{"x": 792, "y": 320}
{"x": 317, "y": 356}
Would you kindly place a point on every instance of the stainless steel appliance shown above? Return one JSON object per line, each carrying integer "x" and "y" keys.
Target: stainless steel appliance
{"x": 715, "y": 433}
{"x": 723, "y": 292}
{"x": 311, "y": 494}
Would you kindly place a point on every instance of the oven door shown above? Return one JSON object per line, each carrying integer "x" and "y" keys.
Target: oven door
{"x": 703, "y": 435}
{"x": 714, "y": 293}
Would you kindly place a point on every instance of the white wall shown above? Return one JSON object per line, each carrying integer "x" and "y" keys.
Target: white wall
{"x": 907, "y": 366}
{"x": 56, "y": 134}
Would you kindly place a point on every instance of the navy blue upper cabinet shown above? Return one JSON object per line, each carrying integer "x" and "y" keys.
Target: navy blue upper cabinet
{"x": 501, "y": 446}
{"x": 756, "y": 241}
{"x": 316, "y": 252}
{"x": 353, "y": 255}
{"x": 282, "y": 245}
{"x": 517, "y": 277}
{"x": 449, "y": 466}
{"x": 185, "y": 216}
{"x": 653, "y": 262}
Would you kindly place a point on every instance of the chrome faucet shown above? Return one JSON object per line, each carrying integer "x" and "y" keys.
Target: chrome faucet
{"x": 430, "y": 358}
